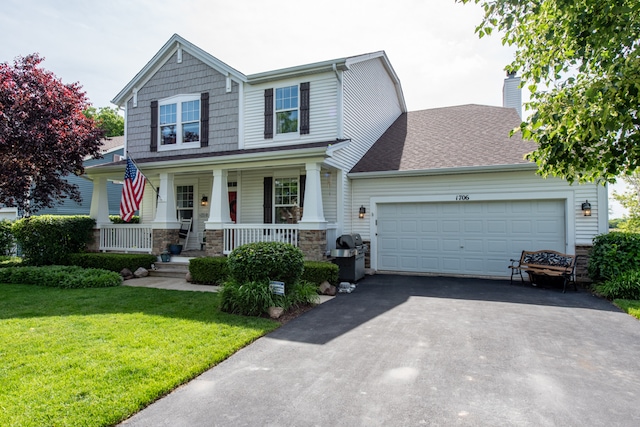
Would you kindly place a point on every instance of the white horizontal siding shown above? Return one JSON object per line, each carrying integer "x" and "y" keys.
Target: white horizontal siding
{"x": 505, "y": 186}
{"x": 323, "y": 112}
{"x": 328, "y": 182}
{"x": 250, "y": 197}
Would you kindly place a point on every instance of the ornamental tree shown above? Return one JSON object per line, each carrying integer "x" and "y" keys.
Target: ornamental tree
{"x": 581, "y": 60}
{"x": 44, "y": 136}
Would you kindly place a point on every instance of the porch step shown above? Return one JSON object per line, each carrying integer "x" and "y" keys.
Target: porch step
{"x": 170, "y": 269}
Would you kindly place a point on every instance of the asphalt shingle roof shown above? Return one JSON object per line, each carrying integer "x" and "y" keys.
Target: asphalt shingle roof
{"x": 449, "y": 137}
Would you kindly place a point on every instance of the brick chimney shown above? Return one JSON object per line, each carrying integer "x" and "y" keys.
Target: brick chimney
{"x": 511, "y": 93}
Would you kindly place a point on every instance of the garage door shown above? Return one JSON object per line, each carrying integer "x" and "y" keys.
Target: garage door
{"x": 476, "y": 238}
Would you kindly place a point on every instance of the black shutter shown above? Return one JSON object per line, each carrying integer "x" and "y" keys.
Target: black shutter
{"x": 204, "y": 119}
{"x": 303, "y": 186}
{"x": 268, "y": 200}
{"x": 154, "y": 126}
{"x": 268, "y": 114}
{"x": 304, "y": 108}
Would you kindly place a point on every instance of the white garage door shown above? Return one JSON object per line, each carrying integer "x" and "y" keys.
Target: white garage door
{"x": 476, "y": 238}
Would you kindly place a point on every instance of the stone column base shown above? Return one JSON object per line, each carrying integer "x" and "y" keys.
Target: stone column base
{"x": 94, "y": 244}
{"x": 162, "y": 239}
{"x": 214, "y": 245}
{"x": 313, "y": 243}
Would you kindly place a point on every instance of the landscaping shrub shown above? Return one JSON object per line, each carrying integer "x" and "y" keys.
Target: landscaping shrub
{"x": 112, "y": 262}
{"x": 264, "y": 261}
{"x": 624, "y": 286}
{"x": 49, "y": 239}
{"x": 613, "y": 254}
{"x": 209, "y": 270}
{"x": 318, "y": 272}
{"x": 58, "y": 276}
{"x": 6, "y": 238}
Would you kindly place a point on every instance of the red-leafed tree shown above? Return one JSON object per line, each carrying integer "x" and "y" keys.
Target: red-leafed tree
{"x": 44, "y": 135}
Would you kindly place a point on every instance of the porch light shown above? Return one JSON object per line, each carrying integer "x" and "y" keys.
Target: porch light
{"x": 586, "y": 208}
{"x": 362, "y": 211}
{"x": 204, "y": 201}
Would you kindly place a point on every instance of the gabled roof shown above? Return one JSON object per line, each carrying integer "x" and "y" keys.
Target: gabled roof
{"x": 161, "y": 57}
{"x": 111, "y": 143}
{"x": 176, "y": 42}
{"x": 465, "y": 136}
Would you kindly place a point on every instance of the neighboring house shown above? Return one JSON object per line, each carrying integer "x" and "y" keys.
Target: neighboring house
{"x": 112, "y": 150}
{"x": 293, "y": 155}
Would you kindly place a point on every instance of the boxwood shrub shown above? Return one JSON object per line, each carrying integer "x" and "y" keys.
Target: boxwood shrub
{"x": 264, "y": 261}
{"x": 209, "y": 270}
{"x": 58, "y": 276}
{"x": 319, "y": 271}
{"x": 112, "y": 262}
{"x": 6, "y": 237}
{"x": 613, "y": 254}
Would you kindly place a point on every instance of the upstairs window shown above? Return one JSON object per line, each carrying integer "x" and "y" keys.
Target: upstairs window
{"x": 179, "y": 122}
{"x": 287, "y": 109}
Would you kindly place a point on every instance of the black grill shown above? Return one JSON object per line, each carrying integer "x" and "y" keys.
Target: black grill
{"x": 349, "y": 257}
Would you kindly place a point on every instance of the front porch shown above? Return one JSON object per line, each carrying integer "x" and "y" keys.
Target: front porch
{"x": 293, "y": 198}
{"x": 128, "y": 238}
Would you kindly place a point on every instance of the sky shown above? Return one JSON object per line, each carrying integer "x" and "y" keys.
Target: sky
{"x": 431, "y": 44}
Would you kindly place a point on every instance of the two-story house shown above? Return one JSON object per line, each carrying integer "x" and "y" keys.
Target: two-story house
{"x": 306, "y": 153}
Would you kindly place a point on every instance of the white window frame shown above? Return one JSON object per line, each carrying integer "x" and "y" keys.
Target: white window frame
{"x": 276, "y": 111}
{"x": 178, "y": 101}
{"x": 294, "y": 207}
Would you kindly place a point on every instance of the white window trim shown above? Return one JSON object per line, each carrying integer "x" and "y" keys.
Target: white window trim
{"x": 288, "y": 135}
{"x": 179, "y": 145}
{"x": 274, "y": 197}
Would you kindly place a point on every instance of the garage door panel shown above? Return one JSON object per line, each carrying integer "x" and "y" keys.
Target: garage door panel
{"x": 475, "y": 238}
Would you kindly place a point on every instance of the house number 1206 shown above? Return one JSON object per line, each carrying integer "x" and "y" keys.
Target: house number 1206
{"x": 462, "y": 197}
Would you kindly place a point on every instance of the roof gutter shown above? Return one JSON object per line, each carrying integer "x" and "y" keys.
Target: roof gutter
{"x": 301, "y": 70}
{"x": 444, "y": 171}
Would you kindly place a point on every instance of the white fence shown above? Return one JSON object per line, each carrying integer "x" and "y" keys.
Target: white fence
{"x": 126, "y": 238}
{"x": 239, "y": 234}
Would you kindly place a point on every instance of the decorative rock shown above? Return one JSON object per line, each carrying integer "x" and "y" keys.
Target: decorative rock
{"x": 324, "y": 287}
{"x": 141, "y": 272}
{"x": 126, "y": 274}
{"x": 188, "y": 277}
{"x": 275, "y": 312}
{"x": 327, "y": 288}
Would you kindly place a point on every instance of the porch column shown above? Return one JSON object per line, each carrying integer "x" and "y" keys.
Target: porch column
{"x": 313, "y": 213}
{"x": 219, "y": 212}
{"x": 100, "y": 201}
{"x": 166, "y": 211}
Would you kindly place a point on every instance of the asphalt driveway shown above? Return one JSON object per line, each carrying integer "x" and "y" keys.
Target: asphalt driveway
{"x": 411, "y": 351}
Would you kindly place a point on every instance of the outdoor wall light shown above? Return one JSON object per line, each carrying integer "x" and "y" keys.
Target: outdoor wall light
{"x": 361, "y": 212}
{"x": 586, "y": 208}
{"x": 204, "y": 201}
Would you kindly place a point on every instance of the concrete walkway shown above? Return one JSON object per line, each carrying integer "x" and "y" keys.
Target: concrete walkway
{"x": 169, "y": 283}
{"x": 410, "y": 351}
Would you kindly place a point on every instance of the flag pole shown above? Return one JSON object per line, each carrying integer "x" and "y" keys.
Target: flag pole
{"x": 140, "y": 171}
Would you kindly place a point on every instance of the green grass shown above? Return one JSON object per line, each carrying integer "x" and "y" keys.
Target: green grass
{"x": 93, "y": 357}
{"x": 630, "y": 306}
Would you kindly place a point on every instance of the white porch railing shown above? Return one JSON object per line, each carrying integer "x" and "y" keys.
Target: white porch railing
{"x": 126, "y": 238}
{"x": 239, "y": 234}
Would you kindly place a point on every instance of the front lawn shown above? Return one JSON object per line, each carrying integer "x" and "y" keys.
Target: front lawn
{"x": 93, "y": 357}
{"x": 630, "y": 306}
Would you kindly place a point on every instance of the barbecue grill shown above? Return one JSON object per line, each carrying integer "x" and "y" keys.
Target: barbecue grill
{"x": 349, "y": 257}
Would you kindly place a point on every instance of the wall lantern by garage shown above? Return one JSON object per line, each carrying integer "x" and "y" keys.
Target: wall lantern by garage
{"x": 204, "y": 201}
{"x": 361, "y": 212}
{"x": 586, "y": 208}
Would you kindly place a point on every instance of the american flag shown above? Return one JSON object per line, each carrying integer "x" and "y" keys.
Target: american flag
{"x": 131, "y": 191}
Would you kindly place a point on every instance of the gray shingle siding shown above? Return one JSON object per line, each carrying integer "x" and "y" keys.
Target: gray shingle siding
{"x": 189, "y": 77}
